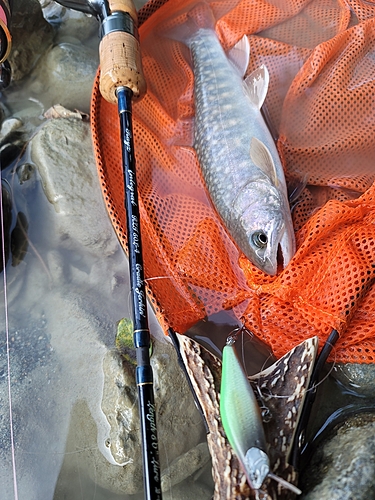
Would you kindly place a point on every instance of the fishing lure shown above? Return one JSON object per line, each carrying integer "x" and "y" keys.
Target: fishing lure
{"x": 242, "y": 421}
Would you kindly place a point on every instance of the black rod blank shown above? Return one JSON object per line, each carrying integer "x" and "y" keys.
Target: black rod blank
{"x": 144, "y": 377}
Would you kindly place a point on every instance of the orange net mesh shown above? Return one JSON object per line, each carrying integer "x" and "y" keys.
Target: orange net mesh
{"x": 321, "y": 105}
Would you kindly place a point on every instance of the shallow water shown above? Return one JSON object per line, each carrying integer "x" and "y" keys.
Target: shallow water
{"x": 63, "y": 302}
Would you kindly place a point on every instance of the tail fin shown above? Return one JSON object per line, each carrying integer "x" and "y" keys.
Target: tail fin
{"x": 202, "y": 16}
{"x": 188, "y": 23}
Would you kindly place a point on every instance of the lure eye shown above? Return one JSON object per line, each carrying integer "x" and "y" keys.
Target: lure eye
{"x": 260, "y": 239}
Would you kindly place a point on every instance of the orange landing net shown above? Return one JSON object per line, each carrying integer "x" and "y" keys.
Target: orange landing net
{"x": 321, "y": 106}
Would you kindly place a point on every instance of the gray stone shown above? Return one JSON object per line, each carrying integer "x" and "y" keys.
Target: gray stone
{"x": 31, "y": 36}
{"x": 70, "y": 23}
{"x": 355, "y": 376}
{"x": 189, "y": 490}
{"x": 62, "y": 152}
{"x": 343, "y": 468}
{"x": 179, "y": 424}
{"x": 65, "y": 75}
{"x": 10, "y": 125}
{"x": 185, "y": 465}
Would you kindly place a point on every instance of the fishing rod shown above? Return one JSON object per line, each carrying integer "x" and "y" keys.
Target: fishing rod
{"x": 144, "y": 377}
{"x": 122, "y": 80}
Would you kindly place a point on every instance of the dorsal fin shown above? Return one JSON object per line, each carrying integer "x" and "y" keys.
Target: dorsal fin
{"x": 256, "y": 85}
{"x": 262, "y": 158}
{"x": 239, "y": 55}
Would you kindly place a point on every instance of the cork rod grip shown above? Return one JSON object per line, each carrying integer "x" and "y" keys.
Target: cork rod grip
{"x": 124, "y": 6}
{"x": 120, "y": 58}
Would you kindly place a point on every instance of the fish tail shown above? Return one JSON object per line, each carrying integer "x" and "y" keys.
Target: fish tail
{"x": 199, "y": 17}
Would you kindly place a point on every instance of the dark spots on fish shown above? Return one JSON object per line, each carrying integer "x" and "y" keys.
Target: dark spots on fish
{"x": 19, "y": 240}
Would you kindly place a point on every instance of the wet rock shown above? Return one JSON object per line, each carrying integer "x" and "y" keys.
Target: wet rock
{"x": 10, "y": 125}
{"x": 62, "y": 153}
{"x": 65, "y": 75}
{"x": 25, "y": 172}
{"x": 185, "y": 466}
{"x": 31, "y": 36}
{"x": 70, "y": 23}
{"x": 58, "y": 111}
{"x": 174, "y": 403}
{"x": 358, "y": 377}
{"x": 343, "y": 468}
{"x": 189, "y": 491}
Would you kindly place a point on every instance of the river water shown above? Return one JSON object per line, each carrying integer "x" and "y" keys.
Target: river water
{"x": 65, "y": 288}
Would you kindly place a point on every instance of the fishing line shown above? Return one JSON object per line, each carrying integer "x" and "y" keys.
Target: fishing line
{"x": 313, "y": 388}
{"x": 251, "y": 336}
{"x": 306, "y": 391}
{"x": 130, "y": 305}
{"x": 25, "y": 156}
{"x": 15, "y": 485}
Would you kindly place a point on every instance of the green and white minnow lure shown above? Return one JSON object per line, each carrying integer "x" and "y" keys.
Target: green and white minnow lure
{"x": 242, "y": 421}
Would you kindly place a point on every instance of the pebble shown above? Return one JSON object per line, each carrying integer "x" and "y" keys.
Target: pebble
{"x": 70, "y": 23}
{"x": 343, "y": 468}
{"x": 62, "y": 152}
{"x": 358, "y": 377}
{"x": 65, "y": 75}
{"x": 32, "y": 35}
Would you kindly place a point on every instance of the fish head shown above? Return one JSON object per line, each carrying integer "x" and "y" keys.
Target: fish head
{"x": 257, "y": 466}
{"x": 267, "y": 235}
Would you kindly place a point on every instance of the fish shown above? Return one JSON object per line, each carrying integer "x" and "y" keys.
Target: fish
{"x": 235, "y": 149}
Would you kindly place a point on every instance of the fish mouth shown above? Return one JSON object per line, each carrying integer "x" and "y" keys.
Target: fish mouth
{"x": 285, "y": 249}
{"x": 279, "y": 259}
{"x": 280, "y": 254}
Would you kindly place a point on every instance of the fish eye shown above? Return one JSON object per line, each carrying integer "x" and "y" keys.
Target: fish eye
{"x": 260, "y": 239}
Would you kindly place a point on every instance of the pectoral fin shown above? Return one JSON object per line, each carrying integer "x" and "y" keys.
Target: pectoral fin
{"x": 256, "y": 85}
{"x": 239, "y": 55}
{"x": 261, "y": 156}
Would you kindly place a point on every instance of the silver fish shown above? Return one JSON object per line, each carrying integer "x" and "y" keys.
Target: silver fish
{"x": 237, "y": 153}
